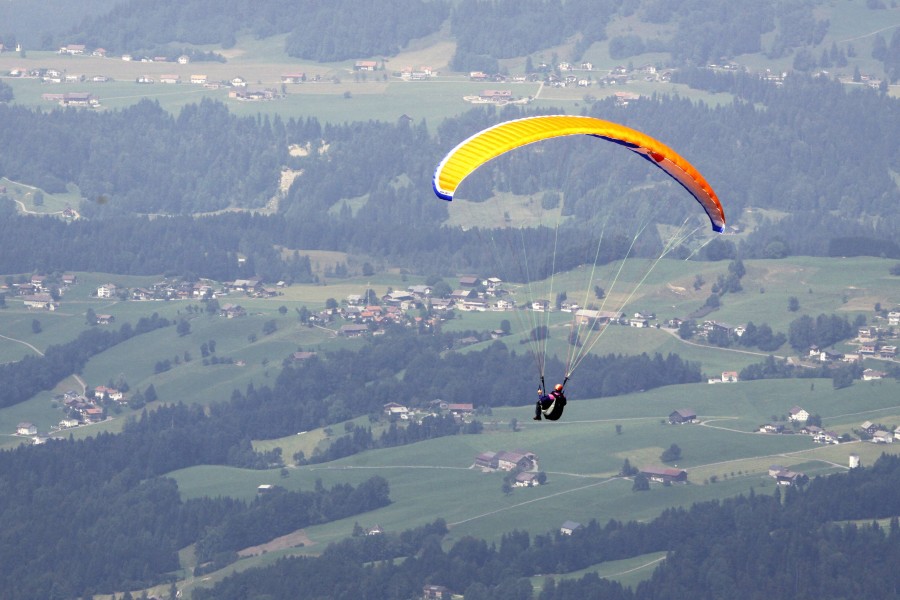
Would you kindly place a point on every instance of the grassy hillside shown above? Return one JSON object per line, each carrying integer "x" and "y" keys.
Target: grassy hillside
{"x": 581, "y": 456}
{"x": 382, "y": 96}
{"x": 843, "y": 286}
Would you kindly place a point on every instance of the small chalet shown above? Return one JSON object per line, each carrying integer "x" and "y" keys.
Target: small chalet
{"x": 39, "y": 301}
{"x": 113, "y": 394}
{"x": 570, "y": 527}
{"x": 392, "y": 408}
{"x": 882, "y": 437}
{"x": 526, "y": 480}
{"x": 26, "y": 428}
{"x": 458, "y": 410}
{"x": 872, "y": 375}
{"x": 106, "y": 291}
{"x": 517, "y": 459}
{"x": 435, "y": 592}
{"x": 729, "y": 376}
{"x": 798, "y": 415}
{"x": 365, "y": 65}
{"x": 352, "y": 330}
{"x": 665, "y": 474}
{"x": 293, "y": 77}
{"x": 468, "y": 281}
{"x": 105, "y": 319}
{"x": 302, "y": 356}
{"x": 785, "y": 477}
{"x": 869, "y": 427}
{"x": 682, "y": 415}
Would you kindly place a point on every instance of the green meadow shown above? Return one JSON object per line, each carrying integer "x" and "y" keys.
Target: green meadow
{"x": 847, "y": 287}
{"x": 581, "y": 454}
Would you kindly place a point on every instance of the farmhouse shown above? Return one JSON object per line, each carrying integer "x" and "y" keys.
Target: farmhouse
{"x": 682, "y": 415}
{"x": 570, "y": 527}
{"x": 526, "y": 480}
{"x": 459, "y": 410}
{"x": 39, "y": 302}
{"x": 435, "y": 592}
{"x": 729, "y": 376}
{"x": 392, "y": 408}
{"x": 785, "y": 477}
{"x": 106, "y": 291}
{"x": 798, "y": 415}
{"x": 882, "y": 437}
{"x": 26, "y": 428}
{"x": 353, "y": 330}
{"x": 665, "y": 474}
{"x": 872, "y": 375}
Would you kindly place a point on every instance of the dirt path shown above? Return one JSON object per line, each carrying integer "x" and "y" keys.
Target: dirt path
{"x": 291, "y": 540}
{"x": 674, "y": 333}
{"x": 39, "y": 353}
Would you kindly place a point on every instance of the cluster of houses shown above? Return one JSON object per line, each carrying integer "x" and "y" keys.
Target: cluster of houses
{"x": 394, "y": 410}
{"x": 38, "y": 292}
{"x": 522, "y": 462}
{"x": 798, "y": 418}
{"x": 80, "y": 409}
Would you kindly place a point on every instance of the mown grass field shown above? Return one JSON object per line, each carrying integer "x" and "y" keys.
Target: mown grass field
{"x": 581, "y": 455}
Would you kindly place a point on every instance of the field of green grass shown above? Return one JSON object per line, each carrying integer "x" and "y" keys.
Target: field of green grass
{"x": 581, "y": 455}
{"x": 824, "y": 286}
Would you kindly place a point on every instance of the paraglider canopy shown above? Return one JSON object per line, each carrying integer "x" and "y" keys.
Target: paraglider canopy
{"x": 501, "y": 138}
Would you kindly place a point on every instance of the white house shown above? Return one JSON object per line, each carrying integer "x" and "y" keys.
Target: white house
{"x": 798, "y": 415}
{"x": 26, "y": 428}
{"x": 107, "y": 290}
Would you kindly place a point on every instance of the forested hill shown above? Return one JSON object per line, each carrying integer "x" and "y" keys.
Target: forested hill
{"x": 825, "y": 175}
{"x": 697, "y": 31}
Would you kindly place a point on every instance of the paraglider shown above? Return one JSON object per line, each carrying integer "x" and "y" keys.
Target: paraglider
{"x": 550, "y": 405}
{"x": 494, "y": 141}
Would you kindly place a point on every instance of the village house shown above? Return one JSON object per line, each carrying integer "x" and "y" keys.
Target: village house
{"x": 729, "y": 376}
{"x": 786, "y": 477}
{"x": 199, "y": 79}
{"x": 435, "y": 592}
{"x": 26, "y": 428}
{"x": 798, "y": 415}
{"x": 232, "y": 311}
{"x": 665, "y": 474}
{"x": 105, "y": 319}
{"x": 170, "y": 78}
{"x": 682, "y": 415}
{"x": 498, "y": 96}
{"x": 517, "y": 459}
{"x": 365, "y": 65}
{"x": 293, "y": 77}
{"x": 72, "y": 49}
{"x": 869, "y": 427}
{"x": 39, "y": 302}
{"x": 570, "y": 527}
{"x": 394, "y": 409}
{"x": 106, "y": 291}
{"x": 352, "y": 331}
{"x": 459, "y": 410}
{"x": 872, "y": 375}
{"x": 882, "y": 437}
{"x": 526, "y": 480}
{"x": 113, "y": 394}
{"x": 468, "y": 281}
{"x": 774, "y": 427}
